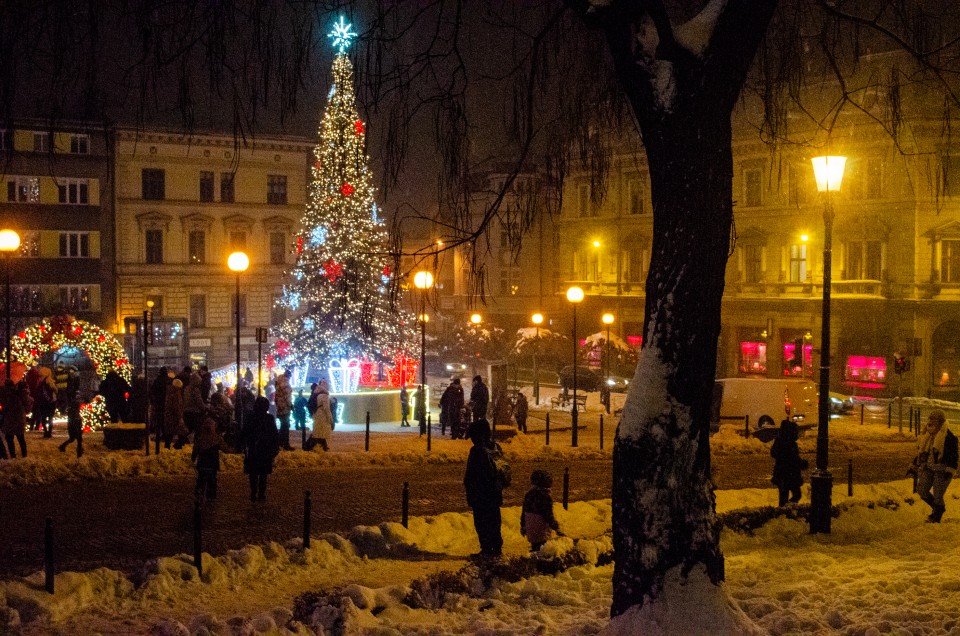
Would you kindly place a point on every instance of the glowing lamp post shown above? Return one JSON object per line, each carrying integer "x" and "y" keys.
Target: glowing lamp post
{"x": 9, "y": 243}
{"x": 537, "y": 319}
{"x": 575, "y": 296}
{"x": 476, "y": 319}
{"x": 829, "y": 174}
{"x": 607, "y": 320}
{"x": 423, "y": 281}
{"x": 238, "y": 262}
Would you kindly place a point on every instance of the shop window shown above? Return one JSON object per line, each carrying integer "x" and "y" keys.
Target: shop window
{"x": 866, "y": 371}
{"x": 798, "y": 263}
{"x": 946, "y": 355}
{"x": 753, "y": 358}
{"x": 793, "y": 366}
{"x": 864, "y": 260}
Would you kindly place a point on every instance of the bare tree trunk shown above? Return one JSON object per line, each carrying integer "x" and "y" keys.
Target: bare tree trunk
{"x": 663, "y": 503}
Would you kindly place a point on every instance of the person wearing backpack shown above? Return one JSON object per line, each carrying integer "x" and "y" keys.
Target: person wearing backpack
{"x": 484, "y": 489}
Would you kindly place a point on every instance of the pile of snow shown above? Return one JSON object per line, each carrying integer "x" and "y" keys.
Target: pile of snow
{"x": 866, "y": 577}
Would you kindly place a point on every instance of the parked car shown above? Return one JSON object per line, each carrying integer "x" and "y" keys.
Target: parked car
{"x": 840, "y": 404}
{"x": 765, "y": 401}
{"x": 587, "y": 379}
{"x": 437, "y": 366}
{"x": 617, "y": 383}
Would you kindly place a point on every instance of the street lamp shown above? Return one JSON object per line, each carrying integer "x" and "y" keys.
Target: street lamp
{"x": 423, "y": 280}
{"x": 607, "y": 319}
{"x": 574, "y": 295}
{"x": 536, "y": 319}
{"x": 476, "y": 319}
{"x": 238, "y": 262}
{"x": 829, "y": 174}
{"x": 9, "y": 243}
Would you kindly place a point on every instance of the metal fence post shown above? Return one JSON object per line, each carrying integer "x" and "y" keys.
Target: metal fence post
{"x": 601, "y": 431}
{"x": 430, "y": 428}
{"x": 405, "y": 504}
{"x": 850, "y": 478}
{"x": 366, "y": 437}
{"x": 48, "y": 566}
{"x": 566, "y": 487}
{"x": 746, "y": 426}
{"x": 548, "y": 430}
{"x": 197, "y": 537}
{"x": 307, "y": 507}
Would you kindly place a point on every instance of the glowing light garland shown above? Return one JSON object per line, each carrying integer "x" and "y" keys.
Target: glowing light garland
{"x": 339, "y": 291}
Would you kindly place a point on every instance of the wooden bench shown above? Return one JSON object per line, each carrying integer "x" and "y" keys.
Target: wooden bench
{"x": 562, "y": 402}
{"x": 124, "y": 436}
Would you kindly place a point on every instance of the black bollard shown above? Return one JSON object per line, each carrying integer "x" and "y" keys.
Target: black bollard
{"x": 548, "y": 429}
{"x": 746, "y": 426}
{"x": 197, "y": 538}
{"x": 429, "y": 428}
{"x": 156, "y": 448}
{"x": 405, "y": 504}
{"x": 889, "y": 414}
{"x": 601, "y": 431}
{"x": 862, "y": 407}
{"x": 146, "y": 445}
{"x": 566, "y": 487}
{"x": 307, "y": 505}
{"x": 850, "y": 478}
{"x": 48, "y": 569}
{"x": 303, "y": 436}
{"x": 366, "y": 438}
{"x": 915, "y": 482}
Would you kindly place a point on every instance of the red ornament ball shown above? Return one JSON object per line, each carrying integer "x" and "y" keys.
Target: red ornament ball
{"x": 358, "y": 127}
{"x": 346, "y": 189}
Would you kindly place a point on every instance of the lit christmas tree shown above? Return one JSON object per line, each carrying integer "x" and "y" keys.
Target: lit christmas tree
{"x": 339, "y": 291}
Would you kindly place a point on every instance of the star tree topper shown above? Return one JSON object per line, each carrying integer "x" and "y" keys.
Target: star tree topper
{"x": 342, "y": 34}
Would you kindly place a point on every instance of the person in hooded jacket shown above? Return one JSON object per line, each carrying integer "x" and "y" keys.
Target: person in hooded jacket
{"x": 157, "y": 400}
{"x": 74, "y": 424}
{"x": 16, "y": 402}
{"x": 283, "y": 401}
{"x": 450, "y": 404}
{"x": 322, "y": 420}
{"x": 260, "y": 442}
{"x": 173, "y": 425}
{"x": 193, "y": 404}
{"x": 483, "y": 489}
{"x": 206, "y": 458}
{"x": 787, "y": 463}
{"x": 115, "y": 391}
{"x": 479, "y": 398}
{"x": 537, "y": 522}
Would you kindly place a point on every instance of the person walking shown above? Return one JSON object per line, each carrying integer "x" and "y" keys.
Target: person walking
{"x": 283, "y": 402}
{"x": 206, "y": 459}
{"x": 206, "y": 383}
{"x": 74, "y": 424}
{"x": 173, "y": 415}
{"x": 935, "y": 463}
{"x": 157, "y": 401}
{"x": 404, "y": 406}
{"x": 16, "y": 402}
{"x": 479, "y": 398}
{"x": 520, "y": 409}
{"x": 787, "y": 463}
{"x": 484, "y": 490}
{"x": 537, "y": 522}
{"x": 193, "y": 405}
{"x": 43, "y": 390}
{"x": 322, "y": 420}
{"x": 450, "y": 404}
{"x": 260, "y": 442}
{"x": 115, "y": 391}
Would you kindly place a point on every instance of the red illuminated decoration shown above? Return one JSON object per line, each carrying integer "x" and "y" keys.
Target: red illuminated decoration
{"x": 866, "y": 371}
{"x": 346, "y": 189}
{"x": 387, "y": 270}
{"x": 753, "y": 357}
{"x": 101, "y": 338}
{"x": 317, "y": 165}
{"x": 282, "y": 348}
{"x": 402, "y": 371}
{"x": 299, "y": 245}
{"x": 358, "y": 127}
{"x": 332, "y": 270}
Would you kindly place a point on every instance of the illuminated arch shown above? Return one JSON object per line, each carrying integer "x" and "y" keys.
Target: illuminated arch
{"x": 63, "y": 330}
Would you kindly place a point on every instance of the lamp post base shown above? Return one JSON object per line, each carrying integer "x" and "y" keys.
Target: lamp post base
{"x": 821, "y": 505}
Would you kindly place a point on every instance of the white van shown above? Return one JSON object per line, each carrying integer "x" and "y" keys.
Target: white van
{"x": 766, "y": 400}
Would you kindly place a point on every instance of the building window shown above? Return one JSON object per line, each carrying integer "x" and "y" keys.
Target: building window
{"x": 153, "y": 184}
{"x": 6, "y": 139}
{"x": 799, "y": 184}
{"x": 278, "y": 313}
{"x": 206, "y": 186}
{"x": 154, "y": 246}
{"x": 635, "y": 194}
{"x": 41, "y": 142}
{"x": 226, "y": 187}
{"x": 583, "y": 200}
{"x": 873, "y": 176}
{"x": 75, "y": 298}
{"x": 74, "y": 245}
{"x": 197, "y": 245}
{"x": 509, "y": 277}
{"x": 80, "y": 144}
{"x": 238, "y": 240}
{"x": 29, "y": 245}
{"x": 198, "y": 310}
{"x": 25, "y": 299}
{"x": 233, "y": 310}
{"x": 633, "y": 265}
{"x": 277, "y": 189}
{"x": 798, "y": 263}
{"x": 866, "y": 371}
{"x": 752, "y": 263}
{"x": 793, "y": 366}
{"x": 950, "y": 176}
{"x": 74, "y": 191}
{"x": 864, "y": 260}
{"x": 278, "y": 248}
{"x": 950, "y": 261}
{"x": 753, "y": 358}
{"x": 752, "y": 181}
{"x": 23, "y": 190}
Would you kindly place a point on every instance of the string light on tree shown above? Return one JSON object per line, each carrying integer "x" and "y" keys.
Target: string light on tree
{"x": 342, "y": 294}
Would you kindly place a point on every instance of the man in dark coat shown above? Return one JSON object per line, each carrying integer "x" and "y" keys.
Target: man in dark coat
{"x": 787, "y": 463}
{"x": 484, "y": 491}
{"x": 158, "y": 399}
{"x": 260, "y": 441}
{"x": 115, "y": 391}
{"x": 16, "y": 403}
{"x": 479, "y": 398}
{"x": 450, "y": 404}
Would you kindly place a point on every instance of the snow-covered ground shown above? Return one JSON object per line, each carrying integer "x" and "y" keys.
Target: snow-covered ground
{"x": 882, "y": 570}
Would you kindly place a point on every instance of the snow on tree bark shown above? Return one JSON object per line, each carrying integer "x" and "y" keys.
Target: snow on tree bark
{"x": 663, "y": 503}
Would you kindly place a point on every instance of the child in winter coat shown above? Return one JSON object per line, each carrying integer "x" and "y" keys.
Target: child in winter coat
{"x": 537, "y": 522}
